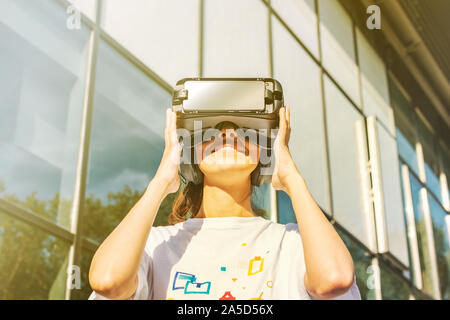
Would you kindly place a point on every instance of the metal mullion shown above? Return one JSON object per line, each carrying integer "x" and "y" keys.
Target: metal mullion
{"x": 285, "y": 25}
{"x": 103, "y": 35}
{"x": 89, "y": 244}
{"x": 377, "y": 185}
{"x": 412, "y": 232}
{"x": 427, "y": 219}
{"x": 324, "y": 114}
{"x": 84, "y": 18}
{"x": 312, "y": 56}
{"x": 274, "y": 214}
{"x": 83, "y": 153}
{"x": 369, "y": 251}
{"x": 269, "y": 14}
{"x": 377, "y": 277}
{"x": 35, "y": 220}
{"x": 201, "y": 36}
{"x": 422, "y": 184}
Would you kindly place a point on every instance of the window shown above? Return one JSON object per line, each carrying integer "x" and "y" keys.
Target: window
{"x": 393, "y": 286}
{"x": 285, "y": 210}
{"x": 413, "y": 248}
{"x": 33, "y": 263}
{"x": 442, "y": 245}
{"x": 424, "y": 252}
{"x": 362, "y": 263}
{"x": 164, "y": 35}
{"x": 430, "y": 156}
{"x": 300, "y": 16}
{"x": 236, "y": 39}
{"x": 42, "y": 86}
{"x": 126, "y": 141}
{"x": 348, "y": 163}
{"x": 85, "y": 289}
{"x": 300, "y": 78}
{"x": 374, "y": 83}
{"x": 383, "y": 148}
{"x": 338, "y": 53}
{"x": 405, "y": 123}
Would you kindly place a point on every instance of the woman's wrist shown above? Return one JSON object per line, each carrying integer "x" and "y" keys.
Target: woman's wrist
{"x": 158, "y": 186}
{"x": 293, "y": 182}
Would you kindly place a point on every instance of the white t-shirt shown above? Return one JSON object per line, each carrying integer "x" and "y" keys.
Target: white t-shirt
{"x": 224, "y": 258}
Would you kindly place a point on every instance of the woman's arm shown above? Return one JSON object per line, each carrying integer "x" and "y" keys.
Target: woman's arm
{"x": 329, "y": 265}
{"x": 113, "y": 272}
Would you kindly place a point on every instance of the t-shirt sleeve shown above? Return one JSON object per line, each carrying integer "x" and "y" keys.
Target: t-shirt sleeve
{"x": 144, "y": 287}
{"x": 299, "y": 267}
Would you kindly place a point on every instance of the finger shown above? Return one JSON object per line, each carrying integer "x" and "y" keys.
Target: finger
{"x": 168, "y": 118}
{"x": 288, "y": 116}
{"x": 166, "y": 135}
{"x": 282, "y": 125}
{"x": 174, "y": 120}
{"x": 173, "y": 126}
{"x": 288, "y": 112}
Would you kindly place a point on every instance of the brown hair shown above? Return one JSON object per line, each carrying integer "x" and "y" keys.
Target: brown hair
{"x": 188, "y": 202}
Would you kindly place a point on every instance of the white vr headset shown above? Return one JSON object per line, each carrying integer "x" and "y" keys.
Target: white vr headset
{"x": 207, "y": 103}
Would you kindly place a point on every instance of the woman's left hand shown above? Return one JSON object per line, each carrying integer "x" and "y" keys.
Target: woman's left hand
{"x": 284, "y": 164}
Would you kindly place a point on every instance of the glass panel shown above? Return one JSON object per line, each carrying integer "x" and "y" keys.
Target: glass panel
{"x": 442, "y": 245}
{"x": 164, "y": 35}
{"x": 392, "y": 196}
{"x": 406, "y": 151}
{"x": 348, "y": 160}
{"x": 430, "y": 156}
{"x": 300, "y": 16}
{"x": 286, "y": 212}
{"x": 374, "y": 83}
{"x": 126, "y": 141}
{"x": 414, "y": 261}
{"x": 85, "y": 289}
{"x": 424, "y": 253}
{"x": 30, "y": 262}
{"x": 446, "y": 171}
{"x": 393, "y": 285}
{"x": 433, "y": 182}
{"x": 300, "y": 78}
{"x": 88, "y": 7}
{"x": 362, "y": 262}
{"x": 41, "y": 92}
{"x": 236, "y": 39}
{"x": 405, "y": 123}
{"x": 338, "y": 52}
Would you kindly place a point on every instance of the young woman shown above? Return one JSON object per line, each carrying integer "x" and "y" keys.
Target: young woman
{"x": 224, "y": 250}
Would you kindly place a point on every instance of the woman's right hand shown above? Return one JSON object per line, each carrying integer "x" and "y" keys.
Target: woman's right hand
{"x": 167, "y": 172}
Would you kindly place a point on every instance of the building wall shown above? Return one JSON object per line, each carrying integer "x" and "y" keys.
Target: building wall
{"x": 372, "y": 162}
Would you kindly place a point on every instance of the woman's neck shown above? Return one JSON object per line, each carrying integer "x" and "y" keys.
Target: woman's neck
{"x": 226, "y": 201}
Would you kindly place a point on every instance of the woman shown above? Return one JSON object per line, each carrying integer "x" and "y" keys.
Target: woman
{"x": 224, "y": 250}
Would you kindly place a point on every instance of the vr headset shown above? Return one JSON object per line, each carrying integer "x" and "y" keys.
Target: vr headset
{"x": 206, "y": 103}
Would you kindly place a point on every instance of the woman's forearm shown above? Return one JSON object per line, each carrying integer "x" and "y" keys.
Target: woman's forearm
{"x": 114, "y": 267}
{"x": 329, "y": 265}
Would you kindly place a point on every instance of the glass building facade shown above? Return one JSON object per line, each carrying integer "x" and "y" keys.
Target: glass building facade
{"x": 82, "y": 106}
